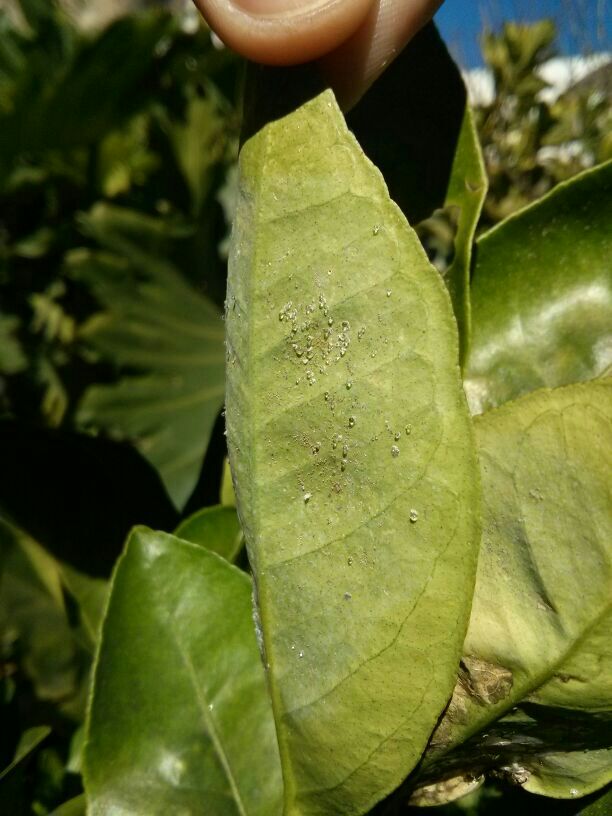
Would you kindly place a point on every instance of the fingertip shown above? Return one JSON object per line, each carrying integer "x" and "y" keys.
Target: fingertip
{"x": 389, "y": 24}
{"x": 284, "y": 32}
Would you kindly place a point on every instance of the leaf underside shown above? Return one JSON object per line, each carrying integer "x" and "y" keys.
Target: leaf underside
{"x": 353, "y": 461}
{"x": 541, "y": 626}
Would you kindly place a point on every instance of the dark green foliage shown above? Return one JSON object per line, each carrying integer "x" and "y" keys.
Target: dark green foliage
{"x": 154, "y": 139}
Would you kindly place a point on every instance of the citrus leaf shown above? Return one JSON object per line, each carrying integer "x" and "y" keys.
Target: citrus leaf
{"x": 180, "y": 719}
{"x": 541, "y": 624}
{"x": 54, "y": 652}
{"x": 28, "y": 742}
{"x": 466, "y": 190}
{"x": 216, "y": 528}
{"x": 91, "y": 595}
{"x": 167, "y": 338}
{"x": 578, "y": 773}
{"x": 54, "y": 103}
{"x": 32, "y": 613}
{"x": 602, "y": 806}
{"x": 77, "y": 806}
{"x": 198, "y": 145}
{"x": 227, "y": 496}
{"x": 12, "y": 357}
{"x": 352, "y": 457}
{"x": 541, "y": 295}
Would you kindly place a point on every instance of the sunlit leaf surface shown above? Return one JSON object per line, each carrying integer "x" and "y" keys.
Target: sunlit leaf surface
{"x": 542, "y": 295}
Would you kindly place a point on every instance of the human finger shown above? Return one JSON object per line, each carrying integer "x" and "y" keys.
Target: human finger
{"x": 389, "y": 24}
{"x": 284, "y": 32}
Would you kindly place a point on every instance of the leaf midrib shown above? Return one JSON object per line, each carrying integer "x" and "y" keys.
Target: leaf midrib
{"x": 539, "y": 680}
{"x": 211, "y": 728}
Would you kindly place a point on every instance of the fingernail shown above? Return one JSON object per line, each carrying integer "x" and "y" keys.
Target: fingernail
{"x": 272, "y": 8}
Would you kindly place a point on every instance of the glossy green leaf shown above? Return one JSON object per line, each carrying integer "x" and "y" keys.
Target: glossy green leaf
{"x": 353, "y": 462}
{"x": 168, "y": 339}
{"x": 542, "y": 295}
{"x": 466, "y": 190}
{"x": 600, "y": 807}
{"x": 180, "y": 718}
{"x": 541, "y": 623}
{"x": 29, "y": 741}
{"x": 216, "y": 528}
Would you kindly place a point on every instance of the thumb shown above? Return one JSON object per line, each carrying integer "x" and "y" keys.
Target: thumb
{"x": 389, "y": 24}
{"x": 284, "y": 32}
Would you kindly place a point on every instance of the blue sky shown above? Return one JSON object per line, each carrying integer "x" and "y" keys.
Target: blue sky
{"x": 584, "y": 25}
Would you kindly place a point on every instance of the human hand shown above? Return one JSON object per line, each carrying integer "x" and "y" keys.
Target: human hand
{"x": 353, "y": 40}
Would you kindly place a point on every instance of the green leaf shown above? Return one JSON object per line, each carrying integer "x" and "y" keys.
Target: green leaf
{"x": 77, "y": 806}
{"x": 542, "y": 295}
{"x": 198, "y": 145}
{"x": 131, "y": 232}
{"x": 216, "y": 528}
{"x": 167, "y": 340}
{"x": 466, "y": 190}
{"x": 124, "y": 158}
{"x": 12, "y": 358}
{"x": 353, "y": 461}
{"x": 541, "y": 624}
{"x": 180, "y": 719}
{"x": 600, "y": 807}
{"x": 32, "y": 615}
{"x": 74, "y": 760}
{"x": 28, "y": 742}
{"x": 575, "y": 772}
{"x": 91, "y": 595}
{"x": 53, "y": 651}
{"x": 71, "y": 94}
{"x": 227, "y": 496}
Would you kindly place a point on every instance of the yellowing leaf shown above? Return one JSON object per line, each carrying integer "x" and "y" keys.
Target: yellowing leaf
{"x": 353, "y": 462}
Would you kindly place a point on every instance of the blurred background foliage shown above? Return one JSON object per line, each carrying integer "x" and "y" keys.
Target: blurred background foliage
{"x": 118, "y": 146}
{"x": 532, "y": 140}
